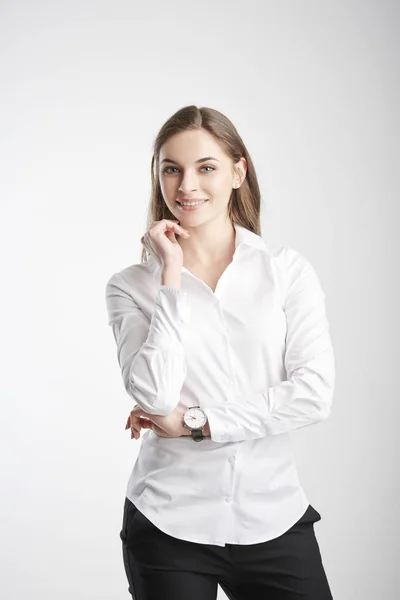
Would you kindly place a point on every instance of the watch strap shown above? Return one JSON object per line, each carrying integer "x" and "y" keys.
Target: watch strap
{"x": 197, "y": 435}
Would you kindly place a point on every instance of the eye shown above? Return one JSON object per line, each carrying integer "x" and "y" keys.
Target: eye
{"x": 204, "y": 167}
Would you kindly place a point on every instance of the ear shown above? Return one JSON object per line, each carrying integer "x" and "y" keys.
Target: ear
{"x": 240, "y": 171}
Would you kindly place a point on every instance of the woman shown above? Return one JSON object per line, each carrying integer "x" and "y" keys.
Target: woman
{"x": 222, "y": 339}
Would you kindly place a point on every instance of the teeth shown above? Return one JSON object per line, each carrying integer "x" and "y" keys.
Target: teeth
{"x": 191, "y": 203}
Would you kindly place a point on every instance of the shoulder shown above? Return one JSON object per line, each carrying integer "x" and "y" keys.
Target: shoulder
{"x": 301, "y": 274}
{"x": 294, "y": 270}
{"x": 287, "y": 262}
{"x": 288, "y": 256}
{"x": 291, "y": 267}
{"x": 295, "y": 260}
{"x": 132, "y": 275}
{"x": 285, "y": 258}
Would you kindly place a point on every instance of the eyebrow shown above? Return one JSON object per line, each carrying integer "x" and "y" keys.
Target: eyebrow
{"x": 200, "y": 160}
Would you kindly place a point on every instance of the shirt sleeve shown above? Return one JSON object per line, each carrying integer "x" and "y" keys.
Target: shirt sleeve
{"x": 305, "y": 397}
{"x": 150, "y": 353}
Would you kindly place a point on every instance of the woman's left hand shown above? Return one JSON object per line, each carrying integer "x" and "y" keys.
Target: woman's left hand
{"x": 165, "y": 426}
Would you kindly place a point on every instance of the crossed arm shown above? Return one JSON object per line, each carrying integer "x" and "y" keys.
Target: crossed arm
{"x": 153, "y": 366}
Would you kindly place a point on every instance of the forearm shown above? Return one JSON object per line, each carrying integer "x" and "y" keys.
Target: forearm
{"x": 151, "y": 357}
{"x": 171, "y": 276}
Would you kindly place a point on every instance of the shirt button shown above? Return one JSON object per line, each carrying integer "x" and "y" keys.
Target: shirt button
{"x": 228, "y": 499}
{"x": 231, "y": 459}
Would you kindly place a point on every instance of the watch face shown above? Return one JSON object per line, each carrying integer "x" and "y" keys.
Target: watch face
{"x": 195, "y": 418}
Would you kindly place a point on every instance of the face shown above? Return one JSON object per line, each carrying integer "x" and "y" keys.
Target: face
{"x": 185, "y": 174}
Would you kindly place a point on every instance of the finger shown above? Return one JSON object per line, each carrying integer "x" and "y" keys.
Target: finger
{"x": 134, "y": 424}
{"x": 164, "y": 225}
{"x": 138, "y": 425}
{"x": 135, "y": 432}
{"x": 139, "y": 422}
{"x": 178, "y": 228}
{"x": 138, "y": 413}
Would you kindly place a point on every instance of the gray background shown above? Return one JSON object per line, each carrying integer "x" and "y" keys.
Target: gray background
{"x": 313, "y": 89}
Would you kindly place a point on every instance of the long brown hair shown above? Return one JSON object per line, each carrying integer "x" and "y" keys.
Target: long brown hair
{"x": 244, "y": 203}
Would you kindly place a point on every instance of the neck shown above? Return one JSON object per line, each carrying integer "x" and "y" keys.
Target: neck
{"x": 208, "y": 243}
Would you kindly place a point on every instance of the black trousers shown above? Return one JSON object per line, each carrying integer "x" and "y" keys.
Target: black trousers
{"x": 159, "y": 566}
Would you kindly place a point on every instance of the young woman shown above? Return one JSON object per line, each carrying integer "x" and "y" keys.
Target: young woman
{"x": 222, "y": 340}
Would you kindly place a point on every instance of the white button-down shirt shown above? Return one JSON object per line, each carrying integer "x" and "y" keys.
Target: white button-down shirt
{"x": 257, "y": 356}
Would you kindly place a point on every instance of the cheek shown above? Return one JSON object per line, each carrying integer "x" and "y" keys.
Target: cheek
{"x": 168, "y": 190}
{"x": 163, "y": 184}
{"x": 219, "y": 185}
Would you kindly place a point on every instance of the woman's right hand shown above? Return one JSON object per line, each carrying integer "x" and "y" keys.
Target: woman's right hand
{"x": 161, "y": 242}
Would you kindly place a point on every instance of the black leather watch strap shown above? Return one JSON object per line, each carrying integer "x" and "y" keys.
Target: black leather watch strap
{"x": 197, "y": 435}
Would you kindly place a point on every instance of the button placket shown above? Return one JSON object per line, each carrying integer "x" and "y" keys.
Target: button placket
{"x": 225, "y": 340}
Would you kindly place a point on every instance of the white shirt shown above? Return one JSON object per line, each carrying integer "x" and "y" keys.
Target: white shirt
{"x": 257, "y": 356}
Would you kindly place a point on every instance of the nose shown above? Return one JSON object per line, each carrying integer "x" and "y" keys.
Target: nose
{"x": 188, "y": 182}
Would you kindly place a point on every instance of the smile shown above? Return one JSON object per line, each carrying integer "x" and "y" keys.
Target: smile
{"x": 190, "y": 205}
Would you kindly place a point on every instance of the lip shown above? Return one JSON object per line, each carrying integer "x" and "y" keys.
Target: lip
{"x": 191, "y": 208}
{"x": 191, "y": 199}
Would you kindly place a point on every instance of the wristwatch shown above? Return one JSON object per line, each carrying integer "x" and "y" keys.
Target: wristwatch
{"x": 194, "y": 419}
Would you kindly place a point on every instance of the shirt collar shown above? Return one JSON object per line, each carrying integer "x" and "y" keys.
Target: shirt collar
{"x": 243, "y": 236}
{"x": 249, "y": 238}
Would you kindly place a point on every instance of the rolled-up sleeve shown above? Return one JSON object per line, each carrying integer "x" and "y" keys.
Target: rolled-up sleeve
{"x": 150, "y": 352}
{"x": 305, "y": 396}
